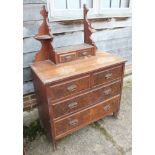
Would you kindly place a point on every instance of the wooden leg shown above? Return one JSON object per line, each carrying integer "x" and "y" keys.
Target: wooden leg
{"x": 115, "y": 114}
{"x": 54, "y": 144}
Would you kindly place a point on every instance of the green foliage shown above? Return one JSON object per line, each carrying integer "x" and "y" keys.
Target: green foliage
{"x": 31, "y": 131}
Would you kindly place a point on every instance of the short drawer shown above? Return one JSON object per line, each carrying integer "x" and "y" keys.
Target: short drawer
{"x": 87, "y": 99}
{"x": 106, "y": 75}
{"x": 86, "y": 52}
{"x": 80, "y": 119}
{"x": 67, "y": 57}
{"x": 68, "y": 88}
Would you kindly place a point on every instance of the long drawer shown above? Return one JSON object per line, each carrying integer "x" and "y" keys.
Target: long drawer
{"x": 106, "y": 75}
{"x": 80, "y": 119}
{"x": 92, "y": 97}
{"x": 65, "y": 89}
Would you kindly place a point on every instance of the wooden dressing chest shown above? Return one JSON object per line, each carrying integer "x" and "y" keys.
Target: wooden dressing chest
{"x": 81, "y": 85}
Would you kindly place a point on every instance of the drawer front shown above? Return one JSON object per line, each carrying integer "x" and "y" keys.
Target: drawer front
{"x": 67, "y": 57}
{"x": 86, "y": 52}
{"x": 106, "y": 75}
{"x": 85, "y": 100}
{"x": 104, "y": 109}
{"x": 78, "y": 120}
{"x": 72, "y": 122}
{"x": 69, "y": 88}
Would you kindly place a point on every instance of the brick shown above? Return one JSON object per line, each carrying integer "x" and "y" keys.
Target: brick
{"x": 25, "y": 98}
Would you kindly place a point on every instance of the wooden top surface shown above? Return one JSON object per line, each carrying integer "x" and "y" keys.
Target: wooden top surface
{"x": 72, "y": 48}
{"x": 49, "y": 72}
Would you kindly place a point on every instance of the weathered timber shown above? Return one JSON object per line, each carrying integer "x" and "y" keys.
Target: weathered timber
{"x": 31, "y": 12}
{"x": 34, "y": 1}
{"x": 28, "y": 87}
{"x": 31, "y": 27}
{"x": 30, "y": 44}
{"x": 27, "y": 76}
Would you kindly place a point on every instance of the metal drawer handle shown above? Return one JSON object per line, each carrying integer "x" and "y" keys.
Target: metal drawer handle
{"x": 84, "y": 53}
{"x": 108, "y": 75}
{"x": 107, "y": 107}
{"x": 107, "y": 92}
{"x": 68, "y": 57}
{"x": 72, "y": 88}
{"x": 73, "y": 122}
{"x": 72, "y": 105}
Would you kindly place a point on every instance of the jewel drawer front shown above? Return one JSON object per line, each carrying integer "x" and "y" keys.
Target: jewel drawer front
{"x": 64, "y": 89}
{"x": 67, "y": 57}
{"x": 70, "y": 123}
{"x": 105, "y": 76}
{"x": 84, "y": 100}
{"x": 86, "y": 52}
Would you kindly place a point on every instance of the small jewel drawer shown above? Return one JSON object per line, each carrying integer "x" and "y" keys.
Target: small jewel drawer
{"x": 67, "y": 57}
{"x": 86, "y": 52}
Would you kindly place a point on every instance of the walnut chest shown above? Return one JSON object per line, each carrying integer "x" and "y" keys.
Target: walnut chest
{"x": 75, "y": 85}
{"x": 74, "y": 94}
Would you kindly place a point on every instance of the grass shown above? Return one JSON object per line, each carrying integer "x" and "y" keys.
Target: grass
{"x": 30, "y": 132}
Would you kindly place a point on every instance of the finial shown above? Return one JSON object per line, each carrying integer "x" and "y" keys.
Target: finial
{"x": 43, "y": 12}
{"x": 44, "y": 31}
{"x": 85, "y": 10}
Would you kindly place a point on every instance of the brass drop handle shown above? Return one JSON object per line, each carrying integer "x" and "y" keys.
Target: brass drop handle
{"x": 107, "y": 107}
{"x": 108, "y": 75}
{"x": 84, "y": 53}
{"x": 73, "y": 122}
{"x": 72, "y": 87}
{"x": 68, "y": 57}
{"x": 72, "y": 105}
{"x": 107, "y": 92}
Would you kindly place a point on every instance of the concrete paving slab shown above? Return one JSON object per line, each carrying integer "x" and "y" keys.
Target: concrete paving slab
{"x": 87, "y": 141}
{"x": 129, "y": 153}
{"x": 120, "y": 129}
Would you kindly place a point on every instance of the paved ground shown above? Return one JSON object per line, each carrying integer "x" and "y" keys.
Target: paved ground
{"x": 108, "y": 136}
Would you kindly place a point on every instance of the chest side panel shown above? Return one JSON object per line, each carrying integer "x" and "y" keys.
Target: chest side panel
{"x": 42, "y": 101}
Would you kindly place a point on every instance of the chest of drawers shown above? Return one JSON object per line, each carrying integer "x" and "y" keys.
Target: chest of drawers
{"x": 74, "y": 94}
{"x": 74, "y": 85}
